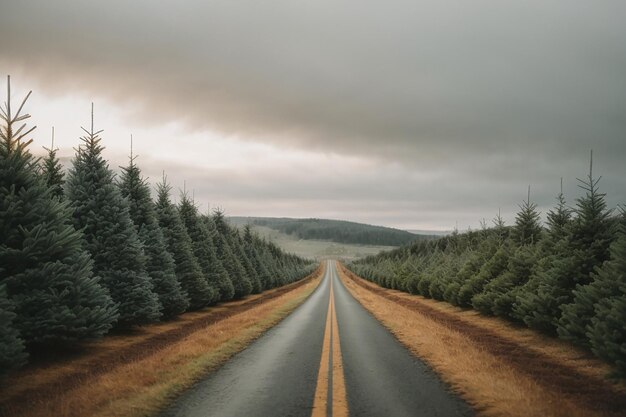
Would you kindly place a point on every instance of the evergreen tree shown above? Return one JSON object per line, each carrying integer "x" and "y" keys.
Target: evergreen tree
{"x": 444, "y": 274}
{"x": 470, "y": 267}
{"x": 527, "y": 228}
{"x": 110, "y": 236}
{"x": 495, "y": 252}
{"x": 224, "y": 283}
{"x": 12, "y": 354}
{"x": 428, "y": 274}
{"x": 591, "y": 236}
{"x": 240, "y": 252}
{"x": 47, "y": 274}
{"x": 559, "y": 218}
{"x": 499, "y": 295}
{"x": 606, "y": 331}
{"x": 492, "y": 269}
{"x": 414, "y": 271}
{"x": 202, "y": 245}
{"x": 52, "y": 171}
{"x": 159, "y": 262}
{"x": 269, "y": 263}
{"x": 535, "y": 302}
{"x": 225, "y": 253}
{"x": 252, "y": 246}
{"x": 188, "y": 271}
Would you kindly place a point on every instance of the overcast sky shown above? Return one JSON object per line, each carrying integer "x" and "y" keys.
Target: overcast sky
{"x": 413, "y": 114}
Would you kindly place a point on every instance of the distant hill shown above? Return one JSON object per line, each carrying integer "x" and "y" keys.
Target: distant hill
{"x": 430, "y": 232}
{"x": 338, "y": 231}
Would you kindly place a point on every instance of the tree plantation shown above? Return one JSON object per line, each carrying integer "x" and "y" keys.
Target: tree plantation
{"x": 88, "y": 252}
{"x": 567, "y": 279}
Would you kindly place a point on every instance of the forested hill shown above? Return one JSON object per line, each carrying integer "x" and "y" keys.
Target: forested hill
{"x": 334, "y": 230}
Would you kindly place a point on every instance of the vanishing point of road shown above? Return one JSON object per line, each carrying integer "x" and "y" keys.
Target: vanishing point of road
{"x": 329, "y": 357}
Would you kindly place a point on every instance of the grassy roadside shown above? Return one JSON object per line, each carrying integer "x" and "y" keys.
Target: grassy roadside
{"x": 137, "y": 374}
{"x": 499, "y": 369}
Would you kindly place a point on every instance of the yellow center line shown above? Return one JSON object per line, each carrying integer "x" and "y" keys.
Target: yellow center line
{"x": 330, "y": 378}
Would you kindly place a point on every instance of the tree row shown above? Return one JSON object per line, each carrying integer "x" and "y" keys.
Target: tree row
{"x": 567, "y": 278}
{"x": 86, "y": 252}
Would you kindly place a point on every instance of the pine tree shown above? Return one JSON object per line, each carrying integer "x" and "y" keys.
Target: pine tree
{"x": 606, "y": 331}
{"x": 469, "y": 268}
{"x": 559, "y": 218}
{"x": 499, "y": 295}
{"x": 238, "y": 246}
{"x": 202, "y": 245}
{"x": 12, "y": 354}
{"x": 110, "y": 235}
{"x": 188, "y": 271}
{"x": 491, "y": 270}
{"x": 423, "y": 286}
{"x": 225, "y": 253}
{"x": 159, "y": 262}
{"x": 224, "y": 283}
{"x": 268, "y": 263}
{"x": 495, "y": 251}
{"x": 46, "y": 271}
{"x": 52, "y": 171}
{"x": 527, "y": 228}
{"x": 251, "y": 246}
{"x": 444, "y": 274}
{"x": 591, "y": 236}
{"x": 536, "y": 301}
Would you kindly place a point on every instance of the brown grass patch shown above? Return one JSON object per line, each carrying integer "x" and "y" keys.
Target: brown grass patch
{"x": 498, "y": 368}
{"x": 135, "y": 374}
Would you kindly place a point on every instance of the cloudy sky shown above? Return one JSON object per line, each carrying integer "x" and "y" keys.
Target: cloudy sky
{"x": 413, "y": 114}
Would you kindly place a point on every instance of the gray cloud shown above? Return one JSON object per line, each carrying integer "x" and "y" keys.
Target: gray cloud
{"x": 484, "y": 96}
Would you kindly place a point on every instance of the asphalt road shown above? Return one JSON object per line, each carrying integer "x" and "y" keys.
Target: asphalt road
{"x": 301, "y": 366}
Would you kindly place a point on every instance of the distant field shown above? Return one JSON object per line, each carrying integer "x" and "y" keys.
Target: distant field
{"x": 316, "y": 249}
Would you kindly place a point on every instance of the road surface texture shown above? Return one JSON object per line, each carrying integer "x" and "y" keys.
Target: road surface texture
{"x": 330, "y": 357}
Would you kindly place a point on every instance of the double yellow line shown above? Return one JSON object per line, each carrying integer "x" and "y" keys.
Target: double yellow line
{"x": 330, "y": 393}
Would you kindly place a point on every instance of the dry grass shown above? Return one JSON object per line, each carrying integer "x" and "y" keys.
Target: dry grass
{"x": 140, "y": 373}
{"x": 499, "y": 369}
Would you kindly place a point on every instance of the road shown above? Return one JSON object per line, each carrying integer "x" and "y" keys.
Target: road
{"x": 330, "y": 357}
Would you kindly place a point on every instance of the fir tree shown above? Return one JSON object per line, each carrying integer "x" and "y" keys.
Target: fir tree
{"x": 559, "y": 218}
{"x": 224, "y": 283}
{"x": 110, "y": 236}
{"x": 188, "y": 271}
{"x": 202, "y": 245}
{"x": 52, "y": 171}
{"x": 499, "y": 295}
{"x": 535, "y": 303}
{"x": 159, "y": 262}
{"x": 268, "y": 262}
{"x": 47, "y": 273}
{"x": 251, "y": 246}
{"x": 527, "y": 228}
{"x": 238, "y": 246}
{"x": 591, "y": 235}
{"x": 12, "y": 354}
{"x": 225, "y": 253}
{"x": 496, "y": 253}
{"x": 606, "y": 331}
{"x": 470, "y": 267}
{"x": 492, "y": 269}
